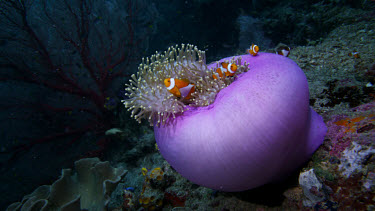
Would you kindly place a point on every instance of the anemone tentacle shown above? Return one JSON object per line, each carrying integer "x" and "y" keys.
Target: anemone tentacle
{"x": 148, "y": 96}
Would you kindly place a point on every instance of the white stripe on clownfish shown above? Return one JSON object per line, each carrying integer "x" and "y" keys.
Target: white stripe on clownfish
{"x": 229, "y": 66}
{"x": 172, "y": 84}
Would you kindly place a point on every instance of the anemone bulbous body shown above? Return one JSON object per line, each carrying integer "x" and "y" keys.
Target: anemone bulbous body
{"x": 259, "y": 129}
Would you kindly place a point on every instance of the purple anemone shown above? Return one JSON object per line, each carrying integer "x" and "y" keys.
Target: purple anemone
{"x": 258, "y": 129}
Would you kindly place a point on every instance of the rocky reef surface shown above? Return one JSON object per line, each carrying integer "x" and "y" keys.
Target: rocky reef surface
{"x": 339, "y": 176}
{"x": 341, "y": 172}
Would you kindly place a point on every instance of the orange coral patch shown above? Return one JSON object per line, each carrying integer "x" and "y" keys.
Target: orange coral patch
{"x": 350, "y": 123}
{"x": 343, "y": 122}
{"x": 357, "y": 119}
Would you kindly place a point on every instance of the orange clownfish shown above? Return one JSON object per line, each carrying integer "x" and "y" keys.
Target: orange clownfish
{"x": 225, "y": 70}
{"x": 181, "y": 88}
{"x": 282, "y": 50}
{"x": 253, "y": 50}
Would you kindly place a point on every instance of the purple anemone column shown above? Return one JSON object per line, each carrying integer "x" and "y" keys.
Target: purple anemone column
{"x": 259, "y": 129}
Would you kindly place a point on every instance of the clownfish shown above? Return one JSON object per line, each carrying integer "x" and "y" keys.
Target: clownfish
{"x": 253, "y": 50}
{"x": 225, "y": 70}
{"x": 354, "y": 54}
{"x": 282, "y": 49}
{"x": 181, "y": 88}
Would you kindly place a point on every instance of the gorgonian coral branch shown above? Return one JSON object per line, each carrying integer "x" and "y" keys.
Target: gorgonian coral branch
{"x": 149, "y": 98}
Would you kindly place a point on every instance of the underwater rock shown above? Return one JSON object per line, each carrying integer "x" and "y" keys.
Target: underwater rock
{"x": 352, "y": 159}
{"x": 312, "y": 188}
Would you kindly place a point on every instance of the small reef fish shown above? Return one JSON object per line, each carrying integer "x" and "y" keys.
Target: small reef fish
{"x": 131, "y": 189}
{"x": 282, "y": 50}
{"x": 354, "y": 54}
{"x": 110, "y": 103}
{"x": 181, "y": 88}
{"x": 225, "y": 70}
{"x": 253, "y": 50}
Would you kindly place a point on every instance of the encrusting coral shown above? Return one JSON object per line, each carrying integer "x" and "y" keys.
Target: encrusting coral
{"x": 151, "y": 198}
{"x": 150, "y": 99}
{"x": 87, "y": 189}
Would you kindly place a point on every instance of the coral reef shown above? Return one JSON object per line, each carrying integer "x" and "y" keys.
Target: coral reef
{"x": 323, "y": 61}
{"x": 89, "y": 188}
{"x": 152, "y": 190}
{"x": 311, "y": 21}
{"x": 340, "y": 175}
{"x": 344, "y": 164}
{"x": 151, "y": 196}
{"x": 325, "y": 186}
{"x": 337, "y": 80}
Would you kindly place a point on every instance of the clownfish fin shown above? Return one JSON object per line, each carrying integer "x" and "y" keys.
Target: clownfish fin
{"x": 224, "y": 65}
{"x": 215, "y": 75}
{"x": 186, "y": 91}
{"x": 185, "y": 80}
